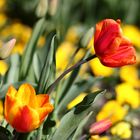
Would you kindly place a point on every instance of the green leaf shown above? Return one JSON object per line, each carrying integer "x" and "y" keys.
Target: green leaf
{"x": 13, "y": 72}
{"x": 4, "y": 134}
{"x": 48, "y": 70}
{"x": 87, "y": 101}
{"x": 83, "y": 126}
{"x": 28, "y": 54}
{"x": 87, "y": 37}
{"x": 36, "y": 66}
{"x": 82, "y": 85}
{"x": 66, "y": 85}
{"x": 31, "y": 74}
{"x": 70, "y": 121}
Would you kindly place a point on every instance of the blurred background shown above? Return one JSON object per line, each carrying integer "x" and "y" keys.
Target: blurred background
{"x": 72, "y": 19}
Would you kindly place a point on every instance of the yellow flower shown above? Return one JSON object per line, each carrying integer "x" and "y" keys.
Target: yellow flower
{"x": 100, "y": 70}
{"x": 127, "y": 94}
{"x": 90, "y": 45}
{"x": 2, "y": 3}
{"x": 72, "y": 35}
{"x": 77, "y": 100}
{"x": 63, "y": 54}
{"x": 80, "y": 54}
{"x": 133, "y": 33}
{"x": 113, "y": 111}
{"x": 3, "y": 19}
{"x": 1, "y": 110}
{"x": 18, "y": 30}
{"x": 97, "y": 137}
{"x": 3, "y": 67}
{"x": 130, "y": 74}
{"x": 122, "y": 129}
{"x": 19, "y": 48}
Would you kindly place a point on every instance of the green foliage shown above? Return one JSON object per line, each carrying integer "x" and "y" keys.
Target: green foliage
{"x": 37, "y": 66}
{"x": 72, "y": 119}
{"x": 28, "y": 55}
{"x": 48, "y": 70}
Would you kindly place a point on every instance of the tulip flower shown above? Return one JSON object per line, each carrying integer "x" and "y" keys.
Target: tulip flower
{"x": 111, "y": 47}
{"x": 100, "y": 127}
{"x": 24, "y": 110}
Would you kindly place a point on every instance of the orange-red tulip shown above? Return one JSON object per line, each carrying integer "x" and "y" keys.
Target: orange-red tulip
{"x": 25, "y": 110}
{"x": 111, "y": 47}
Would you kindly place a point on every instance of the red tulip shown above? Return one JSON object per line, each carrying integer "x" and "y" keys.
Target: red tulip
{"x": 111, "y": 47}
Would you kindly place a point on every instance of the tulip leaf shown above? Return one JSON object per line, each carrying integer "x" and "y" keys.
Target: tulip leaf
{"x": 48, "y": 70}
{"x": 71, "y": 121}
{"x": 87, "y": 101}
{"x": 31, "y": 74}
{"x": 28, "y": 54}
{"x": 36, "y": 66}
{"x": 82, "y": 85}
{"x": 67, "y": 85}
{"x": 87, "y": 37}
{"x": 13, "y": 73}
{"x": 4, "y": 134}
{"x": 83, "y": 126}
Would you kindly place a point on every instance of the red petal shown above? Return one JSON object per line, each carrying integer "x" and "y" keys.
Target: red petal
{"x": 26, "y": 120}
{"x": 124, "y": 56}
{"x": 110, "y": 30}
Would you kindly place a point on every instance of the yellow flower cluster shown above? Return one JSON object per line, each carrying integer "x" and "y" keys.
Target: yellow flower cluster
{"x": 97, "y": 137}
{"x": 127, "y": 94}
{"x": 3, "y": 67}
{"x": 67, "y": 48}
{"x": 122, "y": 129}
{"x": 112, "y": 110}
{"x": 133, "y": 33}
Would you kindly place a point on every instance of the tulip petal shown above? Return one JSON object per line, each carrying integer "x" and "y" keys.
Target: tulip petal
{"x": 44, "y": 106}
{"x": 9, "y": 104}
{"x": 11, "y": 91}
{"x": 98, "y": 30}
{"x": 26, "y": 95}
{"x": 124, "y": 56}
{"x": 44, "y": 111}
{"x": 42, "y": 99}
{"x": 109, "y": 32}
{"x": 10, "y": 100}
{"x": 25, "y": 120}
{"x": 6, "y": 49}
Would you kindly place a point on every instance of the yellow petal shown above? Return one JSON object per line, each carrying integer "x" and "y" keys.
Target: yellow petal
{"x": 42, "y": 99}
{"x": 44, "y": 111}
{"x": 26, "y": 95}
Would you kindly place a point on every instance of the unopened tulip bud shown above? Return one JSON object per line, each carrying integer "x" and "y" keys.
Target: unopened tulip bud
{"x": 6, "y": 49}
{"x": 100, "y": 127}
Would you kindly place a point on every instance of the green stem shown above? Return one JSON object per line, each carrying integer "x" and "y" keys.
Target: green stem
{"x": 52, "y": 86}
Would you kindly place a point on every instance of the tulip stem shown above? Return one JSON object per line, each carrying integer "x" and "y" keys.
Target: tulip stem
{"x": 53, "y": 85}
